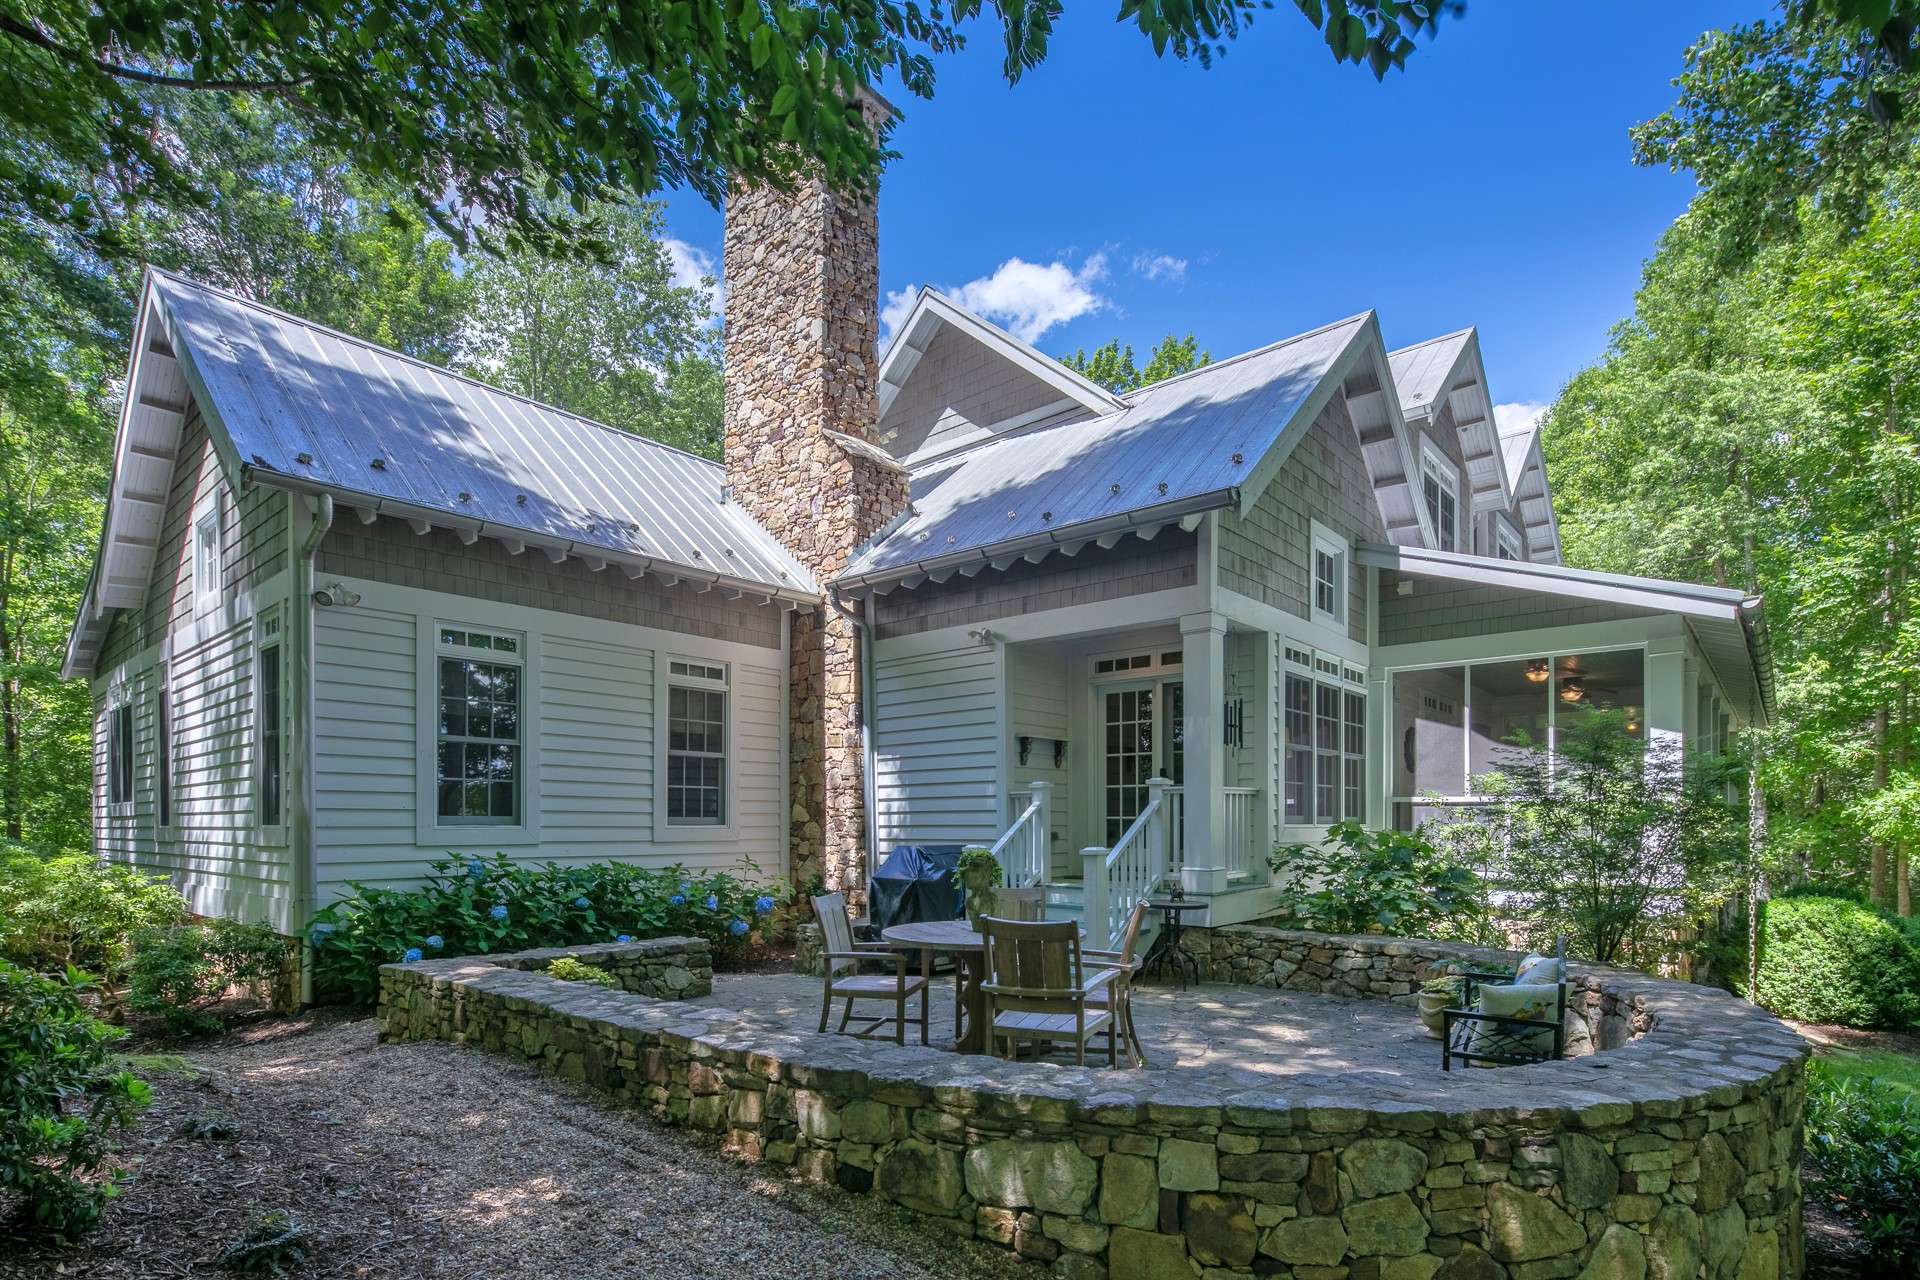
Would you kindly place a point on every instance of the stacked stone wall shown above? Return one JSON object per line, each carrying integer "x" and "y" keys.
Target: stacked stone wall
{"x": 1674, "y": 1156}
{"x": 664, "y": 968}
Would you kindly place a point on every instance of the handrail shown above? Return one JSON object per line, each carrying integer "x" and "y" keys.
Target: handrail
{"x": 1133, "y": 868}
{"x": 1024, "y": 850}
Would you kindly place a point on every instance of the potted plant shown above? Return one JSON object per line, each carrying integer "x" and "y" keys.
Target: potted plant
{"x": 979, "y": 874}
{"x": 1436, "y": 994}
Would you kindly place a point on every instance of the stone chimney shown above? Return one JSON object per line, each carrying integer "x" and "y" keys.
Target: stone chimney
{"x": 803, "y": 286}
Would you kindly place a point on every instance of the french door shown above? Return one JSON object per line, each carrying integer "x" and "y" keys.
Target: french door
{"x": 1143, "y": 737}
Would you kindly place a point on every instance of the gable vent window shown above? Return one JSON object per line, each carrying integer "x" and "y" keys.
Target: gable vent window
{"x": 479, "y": 767}
{"x": 696, "y": 744}
{"x": 1440, "y": 485}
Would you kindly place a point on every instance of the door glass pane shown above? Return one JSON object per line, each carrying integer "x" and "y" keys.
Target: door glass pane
{"x": 1128, "y": 714}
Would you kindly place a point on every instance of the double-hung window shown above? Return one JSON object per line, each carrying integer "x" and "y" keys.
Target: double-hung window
{"x": 1329, "y": 563}
{"x": 120, "y": 753}
{"x": 206, "y": 561}
{"x": 269, "y": 724}
{"x": 696, "y": 743}
{"x": 1440, "y": 486}
{"x": 1323, "y": 719}
{"x": 480, "y": 756}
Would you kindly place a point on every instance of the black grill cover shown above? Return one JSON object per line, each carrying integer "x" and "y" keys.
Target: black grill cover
{"x": 915, "y": 883}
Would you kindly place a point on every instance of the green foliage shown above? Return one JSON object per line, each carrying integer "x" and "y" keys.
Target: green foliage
{"x": 613, "y": 339}
{"x": 480, "y": 906}
{"x": 574, "y": 969}
{"x": 60, "y": 1099}
{"x": 179, "y": 973}
{"x": 71, "y": 910}
{"x": 1863, "y": 1161}
{"x": 505, "y": 123}
{"x": 1609, "y": 842}
{"x": 1361, "y": 881}
{"x": 1837, "y": 960}
{"x": 1112, "y": 366}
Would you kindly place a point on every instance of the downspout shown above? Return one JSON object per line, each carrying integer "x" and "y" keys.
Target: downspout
{"x": 862, "y": 620}
{"x": 303, "y": 888}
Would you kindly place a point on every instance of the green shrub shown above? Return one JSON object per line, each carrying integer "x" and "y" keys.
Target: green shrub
{"x": 1360, "y": 881}
{"x": 574, "y": 969}
{"x": 1838, "y": 960}
{"x": 178, "y": 973}
{"x": 479, "y": 906}
{"x": 59, "y": 1099}
{"x": 1863, "y": 1161}
{"x": 72, "y": 910}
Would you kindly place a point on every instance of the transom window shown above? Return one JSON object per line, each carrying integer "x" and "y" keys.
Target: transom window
{"x": 1324, "y": 723}
{"x": 1440, "y": 485}
{"x": 1149, "y": 660}
{"x": 1329, "y": 576}
{"x": 478, "y": 773}
{"x": 696, "y": 744}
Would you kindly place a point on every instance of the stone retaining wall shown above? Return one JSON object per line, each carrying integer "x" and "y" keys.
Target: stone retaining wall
{"x": 665, "y": 968}
{"x": 1674, "y": 1156}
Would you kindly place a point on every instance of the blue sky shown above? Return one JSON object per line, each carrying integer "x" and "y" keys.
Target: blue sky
{"x": 1113, "y": 194}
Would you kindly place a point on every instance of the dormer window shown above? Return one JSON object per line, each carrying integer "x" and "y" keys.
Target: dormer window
{"x": 1506, "y": 540}
{"x": 1440, "y": 485}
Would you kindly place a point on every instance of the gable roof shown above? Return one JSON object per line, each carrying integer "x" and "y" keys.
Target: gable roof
{"x": 296, "y": 405}
{"x": 933, "y": 310}
{"x": 1526, "y": 472}
{"x": 1445, "y": 378}
{"x": 1202, "y": 440}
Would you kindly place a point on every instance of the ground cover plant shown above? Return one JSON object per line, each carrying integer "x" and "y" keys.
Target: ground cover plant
{"x": 178, "y": 974}
{"x": 71, "y": 910}
{"x": 61, "y": 1097}
{"x": 1863, "y": 1153}
{"x": 483, "y": 906}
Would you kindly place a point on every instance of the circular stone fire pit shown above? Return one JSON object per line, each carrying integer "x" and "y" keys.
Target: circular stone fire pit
{"x": 1672, "y": 1151}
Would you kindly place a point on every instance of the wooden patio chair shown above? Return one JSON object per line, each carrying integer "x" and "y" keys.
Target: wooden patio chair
{"x": 1020, "y": 904}
{"x": 845, "y": 982}
{"x": 1039, "y": 988}
{"x": 1118, "y": 993}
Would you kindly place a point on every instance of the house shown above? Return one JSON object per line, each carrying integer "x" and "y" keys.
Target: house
{"x": 351, "y": 612}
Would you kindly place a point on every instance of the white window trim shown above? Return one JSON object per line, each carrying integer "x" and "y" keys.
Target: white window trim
{"x": 120, "y": 695}
{"x": 429, "y": 829}
{"x": 269, "y": 630}
{"x": 206, "y": 584}
{"x": 663, "y": 681}
{"x": 1431, "y": 458}
{"x": 1312, "y": 827}
{"x": 1505, "y": 535}
{"x": 1326, "y": 540}
{"x": 164, "y": 760}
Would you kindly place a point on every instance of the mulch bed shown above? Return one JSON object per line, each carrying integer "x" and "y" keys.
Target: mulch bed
{"x": 426, "y": 1160}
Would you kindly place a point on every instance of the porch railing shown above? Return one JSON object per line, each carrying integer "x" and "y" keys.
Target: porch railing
{"x": 1023, "y": 851}
{"x": 1115, "y": 878}
{"x": 1240, "y": 836}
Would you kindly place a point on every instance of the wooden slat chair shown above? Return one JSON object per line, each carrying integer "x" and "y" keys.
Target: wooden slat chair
{"x": 1039, "y": 988}
{"x": 1020, "y": 904}
{"x": 845, "y": 982}
{"x": 1118, "y": 993}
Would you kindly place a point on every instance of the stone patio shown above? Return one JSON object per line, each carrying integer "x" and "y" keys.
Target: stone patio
{"x": 1231, "y": 1035}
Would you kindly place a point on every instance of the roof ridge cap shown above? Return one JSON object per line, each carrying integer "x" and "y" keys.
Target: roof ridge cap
{"x": 1246, "y": 355}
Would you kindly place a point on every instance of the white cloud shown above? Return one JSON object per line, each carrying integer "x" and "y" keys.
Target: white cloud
{"x": 692, "y": 265}
{"x": 1518, "y": 415}
{"x": 1026, "y": 298}
{"x": 1159, "y": 266}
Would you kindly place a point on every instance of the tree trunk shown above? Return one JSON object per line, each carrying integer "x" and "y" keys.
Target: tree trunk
{"x": 1877, "y": 874}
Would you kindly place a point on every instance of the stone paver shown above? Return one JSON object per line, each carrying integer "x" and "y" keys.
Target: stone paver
{"x": 1238, "y": 1035}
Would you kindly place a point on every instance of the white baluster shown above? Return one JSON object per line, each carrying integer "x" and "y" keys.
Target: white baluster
{"x": 1042, "y": 833}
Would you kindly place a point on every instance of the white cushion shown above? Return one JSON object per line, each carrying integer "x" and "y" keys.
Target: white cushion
{"x": 1536, "y": 969}
{"x": 1533, "y": 1001}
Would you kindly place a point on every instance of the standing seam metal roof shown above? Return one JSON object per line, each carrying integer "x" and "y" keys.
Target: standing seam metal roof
{"x": 375, "y": 425}
{"x": 1182, "y": 440}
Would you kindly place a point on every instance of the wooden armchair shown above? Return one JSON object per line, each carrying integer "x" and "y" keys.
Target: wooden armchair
{"x": 845, "y": 982}
{"x": 1117, "y": 993}
{"x": 1039, "y": 989}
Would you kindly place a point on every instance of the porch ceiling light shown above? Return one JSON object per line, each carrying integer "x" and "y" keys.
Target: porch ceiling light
{"x": 1537, "y": 671}
{"x": 1572, "y": 689}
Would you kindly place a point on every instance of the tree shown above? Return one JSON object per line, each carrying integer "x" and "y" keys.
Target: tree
{"x": 509, "y": 123}
{"x": 615, "y": 340}
{"x": 1112, "y": 366}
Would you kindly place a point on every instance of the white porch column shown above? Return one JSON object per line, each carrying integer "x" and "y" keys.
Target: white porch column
{"x": 1203, "y": 653}
{"x": 1667, "y": 695}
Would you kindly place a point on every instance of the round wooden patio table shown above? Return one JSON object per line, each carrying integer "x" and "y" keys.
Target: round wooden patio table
{"x": 969, "y": 951}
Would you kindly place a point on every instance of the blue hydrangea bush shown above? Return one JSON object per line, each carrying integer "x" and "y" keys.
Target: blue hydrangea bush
{"x": 478, "y": 906}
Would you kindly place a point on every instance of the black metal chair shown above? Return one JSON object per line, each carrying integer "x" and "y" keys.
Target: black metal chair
{"x": 1472, "y": 1037}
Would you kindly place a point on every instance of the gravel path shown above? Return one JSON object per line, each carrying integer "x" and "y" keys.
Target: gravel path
{"x": 424, "y": 1160}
